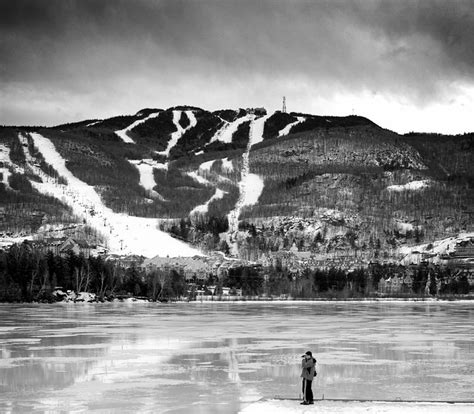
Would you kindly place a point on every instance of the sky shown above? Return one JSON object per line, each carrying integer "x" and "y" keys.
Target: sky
{"x": 407, "y": 65}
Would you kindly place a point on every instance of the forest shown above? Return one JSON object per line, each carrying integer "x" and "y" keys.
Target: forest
{"x": 27, "y": 275}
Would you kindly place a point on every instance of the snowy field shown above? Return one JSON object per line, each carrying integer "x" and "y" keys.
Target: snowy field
{"x": 235, "y": 357}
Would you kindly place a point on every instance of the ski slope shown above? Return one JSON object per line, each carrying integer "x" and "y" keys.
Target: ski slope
{"x": 124, "y": 234}
{"x": 4, "y": 161}
{"x": 250, "y": 185}
{"x": 229, "y": 128}
{"x": 204, "y": 207}
{"x": 145, "y": 168}
{"x": 123, "y": 133}
{"x": 175, "y": 136}
{"x": 287, "y": 129}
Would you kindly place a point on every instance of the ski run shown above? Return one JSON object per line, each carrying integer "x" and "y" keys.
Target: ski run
{"x": 250, "y": 185}
{"x": 125, "y": 234}
{"x": 287, "y": 129}
{"x": 123, "y": 133}
{"x": 175, "y": 136}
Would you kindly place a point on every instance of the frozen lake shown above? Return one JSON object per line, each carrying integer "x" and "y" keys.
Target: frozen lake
{"x": 221, "y": 357}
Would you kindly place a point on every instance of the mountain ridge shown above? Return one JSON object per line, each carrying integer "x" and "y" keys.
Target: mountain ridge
{"x": 307, "y": 164}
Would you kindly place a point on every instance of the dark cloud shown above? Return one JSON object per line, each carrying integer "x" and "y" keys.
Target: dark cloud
{"x": 412, "y": 49}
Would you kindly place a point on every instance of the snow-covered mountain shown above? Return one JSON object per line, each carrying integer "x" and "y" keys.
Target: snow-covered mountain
{"x": 185, "y": 181}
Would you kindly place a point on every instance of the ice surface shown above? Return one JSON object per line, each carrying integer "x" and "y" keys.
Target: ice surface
{"x": 230, "y": 358}
{"x": 125, "y": 234}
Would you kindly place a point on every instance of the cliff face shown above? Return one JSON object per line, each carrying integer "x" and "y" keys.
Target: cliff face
{"x": 328, "y": 186}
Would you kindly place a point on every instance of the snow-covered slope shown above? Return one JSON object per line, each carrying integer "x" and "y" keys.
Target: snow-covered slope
{"x": 123, "y": 133}
{"x": 175, "y": 136}
{"x": 125, "y": 234}
{"x": 147, "y": 180}
{"x": 411, "y": 186}
{"x": 204, "y": 207}
{"x": 4, "y": 162}
{"x": 250, "y": 185}
{"x": 432, "y": 252}
{"x": 229, "y": 128}
{"x": 287, "y": 129}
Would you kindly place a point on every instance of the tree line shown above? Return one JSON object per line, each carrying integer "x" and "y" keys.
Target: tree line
{"x": 28, "y": 274}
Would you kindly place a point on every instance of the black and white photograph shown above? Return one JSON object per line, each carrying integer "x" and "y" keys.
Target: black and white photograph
{"x": 237, "y": 206}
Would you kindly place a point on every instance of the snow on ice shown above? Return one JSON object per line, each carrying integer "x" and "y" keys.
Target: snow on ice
{"x": 343, "y": 407}
{"x": 125, "y": 234}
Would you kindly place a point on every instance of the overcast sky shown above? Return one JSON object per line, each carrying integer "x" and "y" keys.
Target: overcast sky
{"x": 405, "y": 64}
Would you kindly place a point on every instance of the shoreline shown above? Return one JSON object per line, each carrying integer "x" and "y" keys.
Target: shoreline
{"x": 260, "y": 300}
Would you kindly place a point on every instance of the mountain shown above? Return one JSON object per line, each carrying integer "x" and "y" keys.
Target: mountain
{"x": 186, "y": 181}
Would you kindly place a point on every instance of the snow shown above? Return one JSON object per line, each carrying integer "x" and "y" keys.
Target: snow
{"x": 125, "y": 234}
{"x": 201, "y": 180}
{"x": 206, "y": 166}
{"x": 250, "y": 185}
{"x": 204, "y": 207}
{"x": 343, "y": 407}
{"x": 286, "y": 130}
{"x": 175, "y": 136}
{"x": 404, "y": 227}
{"x": 5, "y": 160}
{"x": 93, "y": 123}
{"x": 145, "y": 168}
{"x": 412, "y": 185}
{"x": 229, "y": 128}
{"x": 123, "y": 133}
{"x": 227, "y": 164}
{"x": 256, "y": 130}
{"x": 413, "y": 254}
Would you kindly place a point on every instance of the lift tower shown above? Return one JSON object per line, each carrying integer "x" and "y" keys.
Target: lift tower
{"x": 284, "y": 105}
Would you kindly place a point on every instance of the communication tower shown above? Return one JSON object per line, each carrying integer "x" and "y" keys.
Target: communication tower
{"x": 284, "y": 105}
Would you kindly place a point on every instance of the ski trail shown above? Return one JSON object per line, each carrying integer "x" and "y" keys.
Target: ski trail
{"x": 250, "y": 185}
{"x": 228, "y": 129}
{"x": 145, "y": 168}
{"x": 204, "y": 207}
{"x": 287, "y": 129}
{"x": 125, "y": 234}
{"x": 175, "y": 136}
{"x": 4, "y": 162}
{"x": 123, "y": 132}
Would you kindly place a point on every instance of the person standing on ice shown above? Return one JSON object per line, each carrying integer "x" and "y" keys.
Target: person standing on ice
{"x": 308, "y": 372}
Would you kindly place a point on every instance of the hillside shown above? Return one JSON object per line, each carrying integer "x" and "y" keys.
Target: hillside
{"x": 246, "y": 182}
